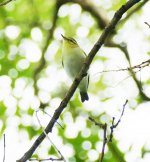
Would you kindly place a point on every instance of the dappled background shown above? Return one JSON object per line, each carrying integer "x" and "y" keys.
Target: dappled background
{"x": 32, "y": 78}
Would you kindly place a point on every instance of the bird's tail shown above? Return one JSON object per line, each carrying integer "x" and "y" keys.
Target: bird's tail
{"x": 84, "y": 96}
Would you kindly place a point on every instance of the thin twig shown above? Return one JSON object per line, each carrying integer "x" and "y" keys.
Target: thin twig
{"x": 104, "y": 142}
{"x": 62, "y": 158}
{"x": 4, "y": 149}
{"x": 112, "y": 130}
{"x": 51, "y": 117}
{"x": 96, "y": 123}
{"x": 121, "y": 114}
{"x": 4, "y": 3}
{"x": 139, "y": 66}
{"x": 49, "y": 159}
{"x": 104, "y": 127}
{"x": 119, "y": 120}
{"x": 129, "y": 76}
{"x": 147, "y": 24}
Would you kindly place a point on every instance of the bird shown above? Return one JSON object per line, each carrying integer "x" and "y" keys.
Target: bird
{"x": 73, "y": 58}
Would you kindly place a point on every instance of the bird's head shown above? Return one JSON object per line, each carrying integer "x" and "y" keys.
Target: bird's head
{"x": 69, "y": 42}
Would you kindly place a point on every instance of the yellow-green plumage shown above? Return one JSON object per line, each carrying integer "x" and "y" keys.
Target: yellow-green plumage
{"x": 73, "y": 59}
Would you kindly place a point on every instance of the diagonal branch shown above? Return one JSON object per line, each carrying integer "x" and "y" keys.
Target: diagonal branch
{"x": 79, "y": 77}
{"x": 97, "y": 13}
{"x": 135, "y": 9}
{"x": 5, "y": 3}
{"x": 103, "y": 22}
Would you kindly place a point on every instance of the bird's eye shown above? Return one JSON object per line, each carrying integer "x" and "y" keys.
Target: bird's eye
{"x": 73, "y": 42}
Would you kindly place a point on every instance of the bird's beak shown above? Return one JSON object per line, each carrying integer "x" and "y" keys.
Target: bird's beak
{"x": 64, "y": 37}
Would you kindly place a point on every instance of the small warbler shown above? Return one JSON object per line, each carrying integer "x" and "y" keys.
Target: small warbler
{"x": 72, "y": 60}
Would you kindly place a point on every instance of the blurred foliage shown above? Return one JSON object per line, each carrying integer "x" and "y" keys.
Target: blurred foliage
{"x": 24, "y": 28}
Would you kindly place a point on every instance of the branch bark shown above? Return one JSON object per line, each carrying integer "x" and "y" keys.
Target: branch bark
{"x": 79, "y": 77}
{"x": 135, "y": 9}
{"x": 5, "y": 3}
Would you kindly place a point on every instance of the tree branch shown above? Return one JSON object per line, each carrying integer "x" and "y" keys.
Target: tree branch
{"x": 97, "y": 13}
{"x": 5, "y": 3}
{"x": 79, "y": 77}
{"x": 135, "y": 9}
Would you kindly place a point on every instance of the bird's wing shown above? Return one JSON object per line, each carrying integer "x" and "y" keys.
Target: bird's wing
{"x": 85, "y": 54}
{"x": 87, "y": 74}
{"x": 88, "y": 81}
{"x": 62, "y": 62}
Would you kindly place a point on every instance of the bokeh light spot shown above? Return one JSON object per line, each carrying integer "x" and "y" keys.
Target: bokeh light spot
{"x": 12, "y": 32}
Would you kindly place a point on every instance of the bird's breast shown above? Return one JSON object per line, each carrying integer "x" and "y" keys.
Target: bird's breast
{"x": 73, "y": 62}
